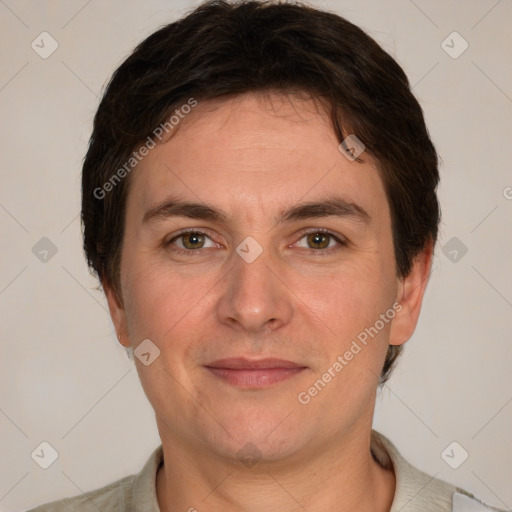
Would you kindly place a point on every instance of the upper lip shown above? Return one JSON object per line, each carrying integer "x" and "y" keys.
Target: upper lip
{"x": 241, "y": 363}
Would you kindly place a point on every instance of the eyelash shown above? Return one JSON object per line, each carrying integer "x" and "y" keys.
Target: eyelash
{"x": 189, "y": 252}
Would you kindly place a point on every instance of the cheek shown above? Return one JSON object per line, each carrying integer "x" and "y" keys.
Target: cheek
{"x": 350, "y": 296}
{"x": 164, "y": 305}
{"x": 154, "y": 300}
{"x": 352, "y": 313}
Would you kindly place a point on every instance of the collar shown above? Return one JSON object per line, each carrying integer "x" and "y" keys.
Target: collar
{"x": 413, "y": 487}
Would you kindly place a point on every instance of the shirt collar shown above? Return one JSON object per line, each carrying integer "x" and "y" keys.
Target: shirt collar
{"x": 384, "y": 452}
{"x": 144, "y": 486}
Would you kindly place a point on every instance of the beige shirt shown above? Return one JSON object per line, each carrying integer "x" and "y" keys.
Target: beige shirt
{"x": 415, "y": 491}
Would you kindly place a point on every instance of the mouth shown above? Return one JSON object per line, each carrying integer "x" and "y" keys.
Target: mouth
{"x": 254, "y": 374}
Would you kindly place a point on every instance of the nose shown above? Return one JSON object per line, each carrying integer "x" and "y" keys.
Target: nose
{"x": 255, "y": 297}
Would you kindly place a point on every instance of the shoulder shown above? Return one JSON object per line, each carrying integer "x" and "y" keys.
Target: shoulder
{"x": 113, "y": 497}
{"x": 417, "y": 491}
{"x": 134, "y": 492}
{"x": 464, "y": 501}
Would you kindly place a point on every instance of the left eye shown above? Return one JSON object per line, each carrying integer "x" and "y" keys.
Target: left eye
{"x": 319, "y": 240}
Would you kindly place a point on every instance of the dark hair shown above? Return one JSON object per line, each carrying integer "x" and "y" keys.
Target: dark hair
{"x": 221, "y": 50}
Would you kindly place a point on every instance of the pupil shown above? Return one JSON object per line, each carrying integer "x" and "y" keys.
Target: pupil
{"x": 318, "y": 239}
{"x": 193, "y": 239}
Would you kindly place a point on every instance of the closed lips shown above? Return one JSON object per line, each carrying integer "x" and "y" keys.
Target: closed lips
{"x": 246, "y": 364}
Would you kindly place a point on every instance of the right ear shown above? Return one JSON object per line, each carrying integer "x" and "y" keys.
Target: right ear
{"x": 117, "y": 313}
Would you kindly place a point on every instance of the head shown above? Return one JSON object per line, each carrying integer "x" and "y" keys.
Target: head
{"x": 241, "y": 109}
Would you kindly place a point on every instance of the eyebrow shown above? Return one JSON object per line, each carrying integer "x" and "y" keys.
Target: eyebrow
{"x": 331, "y": 206}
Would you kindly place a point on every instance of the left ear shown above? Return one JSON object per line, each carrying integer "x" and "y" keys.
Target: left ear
{"x": 410, "y": 296}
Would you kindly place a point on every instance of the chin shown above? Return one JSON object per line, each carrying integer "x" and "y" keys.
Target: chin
{"x": 260, "y": 435}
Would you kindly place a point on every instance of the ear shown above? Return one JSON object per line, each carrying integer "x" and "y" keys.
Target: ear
{"x": 117, "y": 313}
{"x": 410, "y": 294}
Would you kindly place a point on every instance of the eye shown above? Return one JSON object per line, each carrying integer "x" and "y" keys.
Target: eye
{"x": 319, "y": 239}
{"x": 191, "y": 240}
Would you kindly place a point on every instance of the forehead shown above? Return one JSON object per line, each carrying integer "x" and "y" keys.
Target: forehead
{"x": 251, "y": 153}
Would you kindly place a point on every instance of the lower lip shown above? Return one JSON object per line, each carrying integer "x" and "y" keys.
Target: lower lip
{"x": 256, "y": 378}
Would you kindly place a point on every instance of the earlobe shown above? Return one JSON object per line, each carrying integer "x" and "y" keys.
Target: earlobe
{"x": 411, "y": 291}
{"x": 117, "y": 313}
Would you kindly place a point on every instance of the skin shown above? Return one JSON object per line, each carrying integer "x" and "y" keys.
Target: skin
{"x": 254, "y": 157}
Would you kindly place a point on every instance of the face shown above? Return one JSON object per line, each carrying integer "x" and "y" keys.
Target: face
{"x": 255, "y": 255}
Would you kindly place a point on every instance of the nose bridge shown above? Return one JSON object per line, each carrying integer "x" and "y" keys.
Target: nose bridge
{"x": 254, "y": 298}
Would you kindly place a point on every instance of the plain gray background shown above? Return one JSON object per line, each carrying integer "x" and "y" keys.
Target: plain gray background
{"x": 64, "y": 378}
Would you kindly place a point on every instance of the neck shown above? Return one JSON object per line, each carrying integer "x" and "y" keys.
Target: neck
{"x": 340, "y": 478}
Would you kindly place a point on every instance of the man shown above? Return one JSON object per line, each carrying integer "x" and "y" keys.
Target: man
{"x": 259, "y": 203}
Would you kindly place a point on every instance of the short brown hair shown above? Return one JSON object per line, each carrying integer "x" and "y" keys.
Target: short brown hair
{"x": 221, "y": 50}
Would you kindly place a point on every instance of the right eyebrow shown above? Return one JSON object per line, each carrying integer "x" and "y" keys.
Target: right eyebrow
{"x": 177, "y": 208}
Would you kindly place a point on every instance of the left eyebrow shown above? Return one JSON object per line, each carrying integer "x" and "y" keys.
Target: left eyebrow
{"x": 332, "y": 206}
